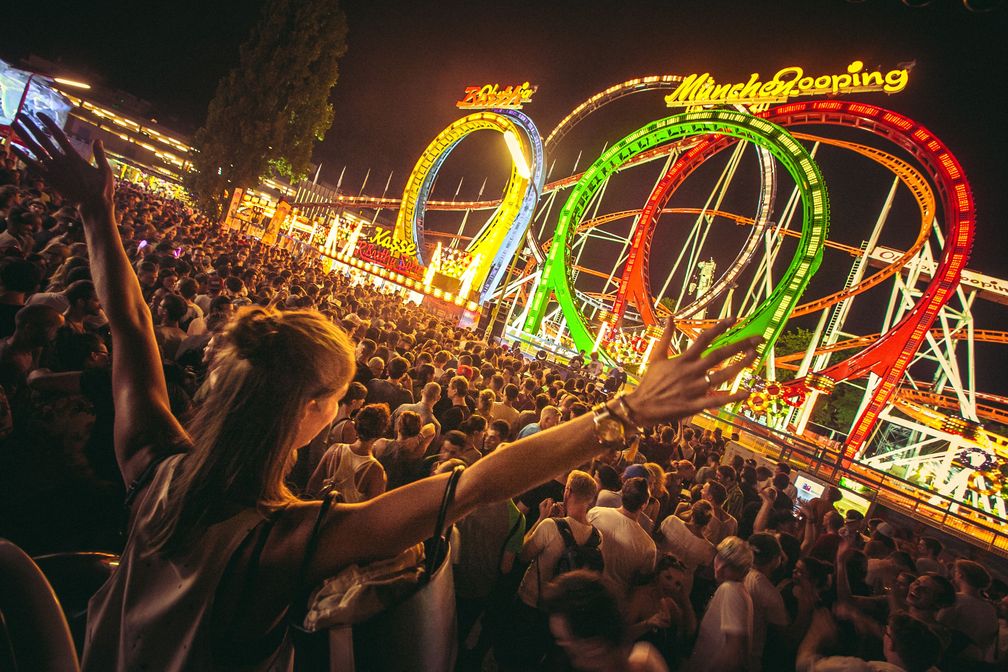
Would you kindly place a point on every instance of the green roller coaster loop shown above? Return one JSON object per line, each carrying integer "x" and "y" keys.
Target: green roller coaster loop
{"x": 769, "y": 317}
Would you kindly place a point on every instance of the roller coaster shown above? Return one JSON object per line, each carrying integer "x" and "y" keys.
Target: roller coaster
{"x": 538, "y": 281}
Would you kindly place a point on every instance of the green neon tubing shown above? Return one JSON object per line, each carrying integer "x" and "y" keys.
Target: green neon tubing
{"x": 769, "y": 317}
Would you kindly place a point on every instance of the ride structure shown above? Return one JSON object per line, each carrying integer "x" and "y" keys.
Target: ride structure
{"x": 538, "y": 269}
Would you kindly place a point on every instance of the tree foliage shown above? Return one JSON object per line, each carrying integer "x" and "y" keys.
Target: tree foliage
{"x": 789, "y": 342}
{"x": 835, "y": 411}
{"x": 269, "y": 111}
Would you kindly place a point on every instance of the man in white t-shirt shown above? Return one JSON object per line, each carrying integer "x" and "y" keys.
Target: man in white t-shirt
{"x": 544, "y": 545}
{"x": 684, "y": 538}
{"x": 543, "y": 548}
{"x": 769, "y": 612}
{"x": 628, "y": 550}
{"x": 972, "y": 615}
{"x": 725, "y": 635}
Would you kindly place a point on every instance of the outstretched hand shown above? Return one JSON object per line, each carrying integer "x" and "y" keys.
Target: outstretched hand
{"x": 686, "y": 384}
{"x": 61, "y": 166}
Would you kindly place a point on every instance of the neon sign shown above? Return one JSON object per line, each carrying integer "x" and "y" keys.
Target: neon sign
{"x": 491, "y": 96}
{"x": 790, "y": 82}
{"x": 396, "y": 247}
{"x": 380, "y": 248}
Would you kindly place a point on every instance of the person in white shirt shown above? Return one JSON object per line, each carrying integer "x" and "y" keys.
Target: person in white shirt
{"x": 542, "y": 549}
{"x": 725, "y": 636}
{"x": 684, "y": 538}
{"x": 769, "y": 612}
{"x": 628, "y": 551}
{"x": 972, "y": 615}
{"x": 544, "y": 545}
{"x": 722, "y": 523}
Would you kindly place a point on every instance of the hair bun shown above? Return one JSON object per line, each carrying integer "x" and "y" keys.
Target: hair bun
{"x": 253, "y": 334}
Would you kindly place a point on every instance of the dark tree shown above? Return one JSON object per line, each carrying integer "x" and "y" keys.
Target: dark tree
{"x": 835, "y": 411}
{"x": 269, "y": 111}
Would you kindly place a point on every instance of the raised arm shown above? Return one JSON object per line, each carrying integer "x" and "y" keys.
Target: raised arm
{"x": 671, "y": 388}
{"x": 767, "y": 497}
{"x": 143, "y": 419}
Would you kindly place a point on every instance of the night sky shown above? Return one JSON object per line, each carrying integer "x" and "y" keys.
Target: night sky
{"x": 408, "y": 62}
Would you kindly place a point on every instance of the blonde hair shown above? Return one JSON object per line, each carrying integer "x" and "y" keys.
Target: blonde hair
{"x": 657, "y": 478}
{"x": 736, "y": 553}
{"x": 485, "y": 401}
{"x": 269, "y": 366}
{"x": 582, "y": 485}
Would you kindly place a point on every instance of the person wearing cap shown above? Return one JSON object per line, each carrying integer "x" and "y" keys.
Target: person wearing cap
{"x": 851, "y": 530}
{"x": 725, "y": 636}
{"x": 885, "y": 529}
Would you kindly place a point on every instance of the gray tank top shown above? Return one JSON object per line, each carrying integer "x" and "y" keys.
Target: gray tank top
{"x": 155, "y": 613}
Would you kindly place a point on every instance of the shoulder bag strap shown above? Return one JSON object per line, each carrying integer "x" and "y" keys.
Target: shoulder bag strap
{"x": 565, "y": 531}
{"x": 514, "y": 528}
{"x": 328, "y": 495}
{"x": 433, "y": 559}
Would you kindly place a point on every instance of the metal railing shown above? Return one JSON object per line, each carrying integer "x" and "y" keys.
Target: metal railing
{"x": 978, "y": 527}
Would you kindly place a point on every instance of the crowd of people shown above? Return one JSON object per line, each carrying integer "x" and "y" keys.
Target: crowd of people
{"x": 659, "y": 550}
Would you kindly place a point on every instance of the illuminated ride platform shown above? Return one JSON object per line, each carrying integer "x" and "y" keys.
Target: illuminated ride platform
{"x": 824, "y": 462}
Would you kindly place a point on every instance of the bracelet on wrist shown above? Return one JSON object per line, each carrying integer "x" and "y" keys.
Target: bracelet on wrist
{"x": 628, "y": 413}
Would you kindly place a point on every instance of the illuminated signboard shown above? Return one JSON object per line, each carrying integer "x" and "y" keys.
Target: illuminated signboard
{"x": 491, "y": 96}
{"x": 988, "y": 287}
{"x": 790, "y": 82}
{"x": 397, "y": 255}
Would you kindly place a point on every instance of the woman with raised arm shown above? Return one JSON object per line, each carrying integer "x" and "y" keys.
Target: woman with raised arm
{"x": 216, "y": 540}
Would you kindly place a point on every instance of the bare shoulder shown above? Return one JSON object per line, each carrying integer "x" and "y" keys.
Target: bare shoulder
{"x": 288, "y": 541}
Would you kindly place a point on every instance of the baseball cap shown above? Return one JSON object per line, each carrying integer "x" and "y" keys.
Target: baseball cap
{"x": 636, "y": 471}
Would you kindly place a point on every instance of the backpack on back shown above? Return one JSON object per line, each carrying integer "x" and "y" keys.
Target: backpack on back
{"x": 579, "y": 556}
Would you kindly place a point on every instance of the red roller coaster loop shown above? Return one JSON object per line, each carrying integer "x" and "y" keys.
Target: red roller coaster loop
{"x": 889, "y": 356}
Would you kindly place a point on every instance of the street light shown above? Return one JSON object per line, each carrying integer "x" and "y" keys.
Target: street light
{"x": 24, "y": 96}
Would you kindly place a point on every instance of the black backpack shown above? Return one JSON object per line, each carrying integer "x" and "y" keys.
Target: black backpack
{"x": 578, "y": 556}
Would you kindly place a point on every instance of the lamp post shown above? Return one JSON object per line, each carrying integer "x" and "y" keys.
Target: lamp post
{"x": 24, "y": 96}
